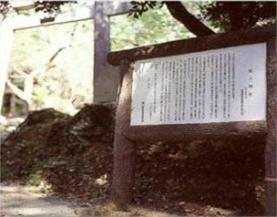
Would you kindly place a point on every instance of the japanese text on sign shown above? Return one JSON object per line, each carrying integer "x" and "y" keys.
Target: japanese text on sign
{"x": 222, "y": 85}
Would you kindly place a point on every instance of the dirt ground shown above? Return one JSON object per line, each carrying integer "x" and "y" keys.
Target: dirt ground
{"x": 29, "y": 201}
{"x": 74, "y": 156}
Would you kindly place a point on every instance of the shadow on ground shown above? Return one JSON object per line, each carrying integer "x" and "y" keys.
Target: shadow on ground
{"x": 74, "y": 155}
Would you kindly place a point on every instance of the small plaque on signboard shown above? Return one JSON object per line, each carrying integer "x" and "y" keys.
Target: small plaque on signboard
{"x": 221, "y": 85}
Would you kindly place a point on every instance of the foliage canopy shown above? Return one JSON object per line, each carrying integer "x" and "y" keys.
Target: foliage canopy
{"x": 224, "y": 15}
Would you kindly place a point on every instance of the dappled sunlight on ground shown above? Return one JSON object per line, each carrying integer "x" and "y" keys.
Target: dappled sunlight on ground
{"x": 26, "y": 201}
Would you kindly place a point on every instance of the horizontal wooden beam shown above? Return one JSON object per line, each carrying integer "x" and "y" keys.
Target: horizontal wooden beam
{"x": 112, "y": 9}
{"x": 190, "y": 132}
{"x": 29, "y": 24}
{"x": 215, "y": 41}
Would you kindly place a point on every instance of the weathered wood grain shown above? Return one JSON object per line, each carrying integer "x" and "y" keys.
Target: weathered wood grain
{"x": 271, "y": 139}
{"x": 124, "y": 149}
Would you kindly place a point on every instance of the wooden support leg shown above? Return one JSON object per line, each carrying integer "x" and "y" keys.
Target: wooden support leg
{"x": 124, "y": 149}
{"x": 271, "y": 195}
{"x": 123, "y": 173}
{"x": 270, "y": 150}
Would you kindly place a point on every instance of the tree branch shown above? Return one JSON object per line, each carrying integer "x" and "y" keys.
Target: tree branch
{"x": 180, "y": 13}
{"x": 55, "y": 55}
{"x": 52, "y": 58}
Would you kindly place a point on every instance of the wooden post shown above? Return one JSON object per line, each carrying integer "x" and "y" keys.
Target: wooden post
{"x": 102, "y": 35}
{"x": 106, "y": 77}
{"x": 124, "y": 149}
{"x": 270, "y": 149}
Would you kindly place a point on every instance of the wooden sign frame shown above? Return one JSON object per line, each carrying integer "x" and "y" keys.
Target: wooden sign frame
{"x": 126, "y": 136}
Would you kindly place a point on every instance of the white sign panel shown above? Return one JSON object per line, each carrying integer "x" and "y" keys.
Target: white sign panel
{"x": 222, "y": 85}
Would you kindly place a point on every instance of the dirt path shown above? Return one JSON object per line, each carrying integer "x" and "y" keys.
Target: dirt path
{"x": 23, "y": 201}
{"x": 19, "y": 201}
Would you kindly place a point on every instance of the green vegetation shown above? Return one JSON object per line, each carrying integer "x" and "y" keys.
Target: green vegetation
{"x": 154, "y": 26}
{"x": 56, "y": 58}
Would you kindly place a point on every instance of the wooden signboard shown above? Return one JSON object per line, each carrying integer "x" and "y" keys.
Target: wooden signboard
{"x": 219, "y": 86}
